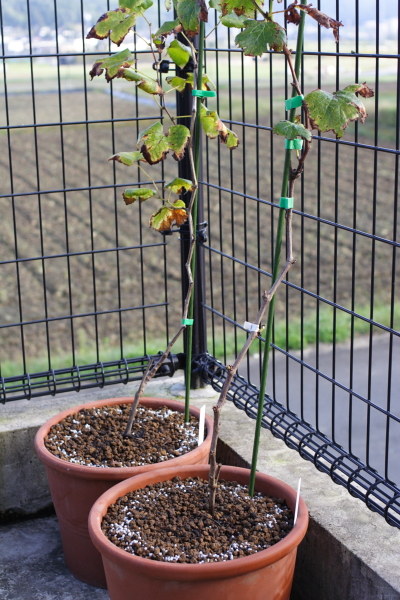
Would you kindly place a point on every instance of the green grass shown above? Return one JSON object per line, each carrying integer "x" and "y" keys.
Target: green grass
{"x": 227, "y": 344}
{"x": 327, "y": 332}
{"x": 292, "y": 335}
{"x": 85, "y": 355}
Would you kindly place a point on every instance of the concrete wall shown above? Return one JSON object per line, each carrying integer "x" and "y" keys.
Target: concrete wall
{"x": 349, "y": 553}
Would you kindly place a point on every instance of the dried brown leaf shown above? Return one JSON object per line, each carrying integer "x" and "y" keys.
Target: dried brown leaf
{"x": 365, "y": 91}
{"x": 203, "y": 15}
{"x": 293, "y": 15}
{"x": 323, "y": 19}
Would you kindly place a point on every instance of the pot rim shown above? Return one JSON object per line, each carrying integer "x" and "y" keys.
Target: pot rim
{"x": 178, "y": 571}
{"x": 88, "y": 472}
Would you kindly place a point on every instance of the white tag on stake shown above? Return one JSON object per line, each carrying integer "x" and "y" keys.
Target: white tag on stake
{"x": 201, "y": 424}
{"x": 250, "y": 326}
{"x": 296, "y": 510}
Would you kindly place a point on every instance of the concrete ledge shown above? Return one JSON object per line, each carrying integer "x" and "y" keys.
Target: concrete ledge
{"x": 349, "y": 553}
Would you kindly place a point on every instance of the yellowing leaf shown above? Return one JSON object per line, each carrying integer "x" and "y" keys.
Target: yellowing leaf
{"x": 214, "y": 127}
{"x": 154, "y": 144}
{"x": 127, "y": 158}
{"x": 144, "y": 83}
{"x": 114, "y": 23}
{"x": 112, "y": 64}
{"x": 258, "y": 35}
{"x": 163, "y": 219}
{"x": 179, "y": 185}
{"x": 130, "y": 196}
{"x": 332, "y": 112}
{"x": 179, "y": 53}
{"x": 179, "y": 83}
{"x": 189, "y": 13}
{"x": 178, "y": 137}
{"x": 229, "y": 138}
{"x": 292, "y": 130}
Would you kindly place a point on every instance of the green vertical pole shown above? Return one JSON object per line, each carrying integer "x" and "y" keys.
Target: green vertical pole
{"x": 197, "y": 133}
{"x": 275, "y": 273}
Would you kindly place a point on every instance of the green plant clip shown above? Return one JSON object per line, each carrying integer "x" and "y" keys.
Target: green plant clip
{"x": 187, "y": 321}
{"x": 286, "y": 202}
{"x": 293, "y": 144}
{"x": 204, "y": 93}
{"x": 294, "y": 102}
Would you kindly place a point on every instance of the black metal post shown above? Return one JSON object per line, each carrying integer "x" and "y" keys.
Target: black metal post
{"x": 184, "y": 103}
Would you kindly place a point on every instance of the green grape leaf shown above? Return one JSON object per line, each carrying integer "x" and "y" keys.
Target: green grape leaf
{"x": 144, "y": 83}
{"x": 179, "y": 83}
{"x": 291, "y": 130}
{"x": 179, "y": 53}
{"x": 239, "y": 7}
{"x": 233, "y": 20}
{"x": 214, "y": 127}
{"x": 258, "y": 35}
{"x": 136, "y": 6}
{"x": 163, "y": 219}
{"x": 179, "y": 185}
{"x": 114, "y": 23}
{"x": 167, "y": 28}
{"x": 154, "y": 144}
{"x": 178, "y": 137}
{"x": 111, "y": 64}
{"x": 189, "y": 13}
{"x": 127, "y": 158}
{"x": 332, "y": 112}
{"x": 130, "y": 196}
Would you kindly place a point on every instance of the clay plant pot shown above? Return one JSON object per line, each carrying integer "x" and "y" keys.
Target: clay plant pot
{"x": 74, "y": 488}
{"x": 266, "y": 575}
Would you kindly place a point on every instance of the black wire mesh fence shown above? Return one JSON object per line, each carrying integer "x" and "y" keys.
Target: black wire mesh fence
{"x": 88, "y": 293}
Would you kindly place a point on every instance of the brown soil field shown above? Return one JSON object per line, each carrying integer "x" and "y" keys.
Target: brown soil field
{"x": 78, "y": 221}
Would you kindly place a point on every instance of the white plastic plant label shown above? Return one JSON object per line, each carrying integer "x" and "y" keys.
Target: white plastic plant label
{"x": 201, "y": 424}
{"x": 250, "y": 326}
{"x": 296, "y": 510}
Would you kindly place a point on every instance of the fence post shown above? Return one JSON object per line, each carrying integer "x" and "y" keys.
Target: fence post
{"x": 184, "y": 103}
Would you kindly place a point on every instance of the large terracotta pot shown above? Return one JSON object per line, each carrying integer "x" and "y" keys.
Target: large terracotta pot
{"x": 74, "y": 488}
{"x": 266, "y": 575}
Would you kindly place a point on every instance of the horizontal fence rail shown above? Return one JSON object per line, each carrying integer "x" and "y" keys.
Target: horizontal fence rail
{"x": 82, "y": 377}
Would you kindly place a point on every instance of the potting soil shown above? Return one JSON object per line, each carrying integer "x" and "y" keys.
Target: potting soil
{"x": 94, "y": 436}
{"x": 170, "y": 522}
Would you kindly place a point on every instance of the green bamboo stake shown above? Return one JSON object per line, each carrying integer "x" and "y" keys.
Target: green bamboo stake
{"x": 197, "y": 132}
{"x": 275, "y": 273}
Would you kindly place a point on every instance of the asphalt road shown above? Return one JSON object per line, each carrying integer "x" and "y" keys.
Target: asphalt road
{"x": 330, "y": 408}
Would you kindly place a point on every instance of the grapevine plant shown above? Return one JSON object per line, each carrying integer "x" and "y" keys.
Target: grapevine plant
{"x": 318, "y": 110}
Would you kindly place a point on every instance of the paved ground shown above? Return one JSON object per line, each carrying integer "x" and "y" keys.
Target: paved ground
{"x": 32, "y": 565}
{"x": 332, "y": 410}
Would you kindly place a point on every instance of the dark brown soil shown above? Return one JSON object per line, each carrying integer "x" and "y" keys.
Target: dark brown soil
{"x": 169, "y": 521}
{"x": 94, "y": 436}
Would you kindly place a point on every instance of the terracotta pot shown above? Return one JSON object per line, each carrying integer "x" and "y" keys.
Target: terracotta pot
{"x": 266, "y": 575}
{"x": 74, "y": 488}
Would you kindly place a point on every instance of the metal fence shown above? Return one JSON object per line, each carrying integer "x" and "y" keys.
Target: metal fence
{"x": 88, "y": 292}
